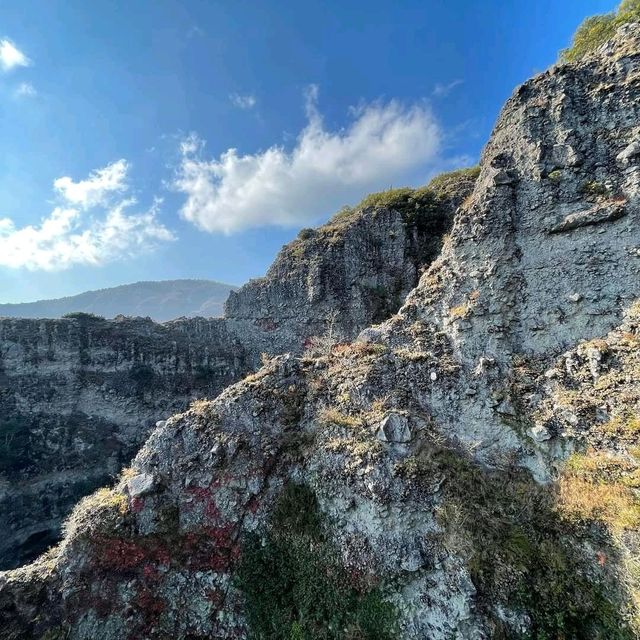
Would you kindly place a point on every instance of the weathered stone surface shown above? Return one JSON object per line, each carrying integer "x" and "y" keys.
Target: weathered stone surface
{"x": 141, "y": 485}
{"x": 595, "y": 215}
{"x": 394, "y": 428}
{"x": 77, "y": 400}
{"x": 629, "y": 153}
{"x": 84, "y": 393}
{"x": 539, "y": 433}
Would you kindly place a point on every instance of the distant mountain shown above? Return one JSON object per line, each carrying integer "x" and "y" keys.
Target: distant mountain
{"x": 162, "y": 300}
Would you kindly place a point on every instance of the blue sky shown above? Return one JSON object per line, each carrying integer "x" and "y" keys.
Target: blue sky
{"x": 156, "y": 139}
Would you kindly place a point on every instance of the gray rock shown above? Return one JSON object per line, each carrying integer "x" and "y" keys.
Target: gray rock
{"x": 141, "y": 485}
{"x": 394, "y": 428}
{"x": 595, "y": 215}
{"x": 506, "y": 408}
{"x": 370, "y": 335}
{"x": 504, "y": 178}
{"x": 539, "y": 433}
{"x": 631, "y": 151}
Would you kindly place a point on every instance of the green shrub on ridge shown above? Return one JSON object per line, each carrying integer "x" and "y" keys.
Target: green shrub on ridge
{"x": 596, "y": 30}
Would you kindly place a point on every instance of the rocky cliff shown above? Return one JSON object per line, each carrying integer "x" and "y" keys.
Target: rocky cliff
{"x": 79, "y": 395}
{"x": 78, "y": 398}
{"x": 468, "y": 468}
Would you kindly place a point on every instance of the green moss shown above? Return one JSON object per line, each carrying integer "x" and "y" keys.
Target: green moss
{"x": 594, "y": 188}
{"x": 596, "y": 30}
{"x": 295, "y": 586}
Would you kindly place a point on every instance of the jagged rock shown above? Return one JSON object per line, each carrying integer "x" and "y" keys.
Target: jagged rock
{"x": 595, "y": 215}
{"x": 539, "y": 433}
{"x": 506, "y": 408}
{"x": 630, "y": 152}
{"x": 99, "y": 384}
{"x": 370, "y": 335}
{"x": 504, "y": 178}
{"x": 141, "y": 485}
{"x": 394, "y": 428}
{"x": 564, "y": 155}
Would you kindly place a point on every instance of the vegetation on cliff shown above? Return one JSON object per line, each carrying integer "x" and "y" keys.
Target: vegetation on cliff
{"x": 596, "y": 30}
{"x": 296, "y": 587}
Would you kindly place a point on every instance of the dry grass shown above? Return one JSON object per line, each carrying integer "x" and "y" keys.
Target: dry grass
{"x": 464, "y": 309}
{"x": 600, "y": 487}
{"x": 460, "y": 311}
{"x": 333, "y": 416}
{"x": 625, "y": 427}
{"x": 612, "y": 504}
{"x": 97, "y": 513}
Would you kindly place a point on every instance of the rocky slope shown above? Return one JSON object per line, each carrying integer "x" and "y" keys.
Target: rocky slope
{"x": 80, "y": 394}
{"x": 468, "y": 468}
{"x": 163, "y": 300}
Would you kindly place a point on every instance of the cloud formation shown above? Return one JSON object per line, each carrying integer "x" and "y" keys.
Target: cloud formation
{"x": 11, "y": 56}
{"x": 386, "y": 143}
{"x": 243, "y": 102}
{"x": 443, "y": 90}
{"x": 26, "y": 90}
{"x": 76, "y": 233}
{"x": 96, "y": 188}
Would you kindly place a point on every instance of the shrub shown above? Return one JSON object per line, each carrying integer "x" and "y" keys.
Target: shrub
{"x": 305, "y": 234}
{"x": 82, "y": 315}
{"x": 594, "y": 188}
{"x": 596, "y": 30}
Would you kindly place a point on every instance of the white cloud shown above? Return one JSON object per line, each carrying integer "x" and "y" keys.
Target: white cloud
{"x": 443, "y": 90}
{"x": 385, "y": 144}
{"x": 11, "y": 57}
{"x": 96, "y": 188}
{"x": 81, "y": 235}
{"x": 26, "y": 90}
{"x": 243, "y": 102}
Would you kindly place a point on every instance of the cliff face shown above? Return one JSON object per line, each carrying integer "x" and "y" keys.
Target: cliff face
{"x": 77, "y": 400}
{"x": 468, "y": 468}
{"x": 350, "y": 273}
{"x": 79, "y": 396}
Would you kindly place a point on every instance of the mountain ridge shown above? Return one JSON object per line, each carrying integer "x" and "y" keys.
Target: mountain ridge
{"x": 160, "y": 300}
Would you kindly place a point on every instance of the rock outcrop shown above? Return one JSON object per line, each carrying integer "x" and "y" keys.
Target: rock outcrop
{"x": 440, "y": 476}
{"x": 80, "y": 395}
